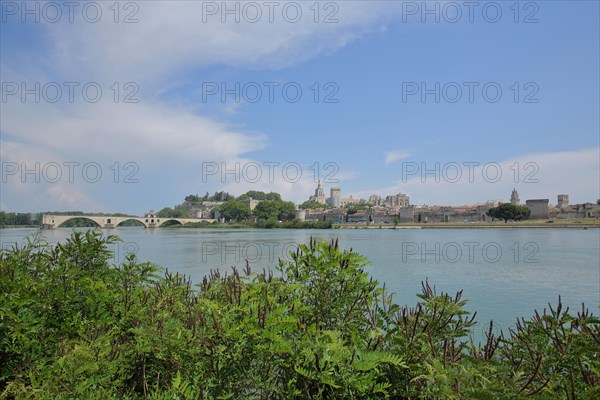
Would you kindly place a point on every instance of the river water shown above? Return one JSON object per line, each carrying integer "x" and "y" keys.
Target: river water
{"x": 504, "y": 273}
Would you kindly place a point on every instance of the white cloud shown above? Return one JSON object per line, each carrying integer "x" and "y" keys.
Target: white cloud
{"x": 168, "y": 141}
{"x": 70, "y": 198}
{"x": 168, "y": 146}
{"x": 541, "y": 175}
{"x": 395, "y": 155}
{"x": 174, "y": 35}
{"x": 108, "y": 130}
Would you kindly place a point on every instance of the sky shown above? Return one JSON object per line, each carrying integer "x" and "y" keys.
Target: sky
{"x": 131, "y": 106}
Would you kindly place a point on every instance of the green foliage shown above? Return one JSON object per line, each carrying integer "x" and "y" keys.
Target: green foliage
{"x": 354, "y": 208}
{"x": 233, "y": 210}
{"x": 221, "y": 196}
{"x": 217, "y": 196}
{"x": 73, "y": 326}
{"x": 293, "y": 224}
{"x": 266, "y": 210}
{"x": 273, "y": 196}
{"x": 508, "y": 211}
{"x": 179, "y": 211}
{"x": 19, "y": 219}
{"x": 193, "y": 198}
{"x": 258, "y": 195}
{"x": 311, "y": 205}
{"x": 286, "y": 210}
{"x": 297, "y": 224}
{"x": 275, "y": 210}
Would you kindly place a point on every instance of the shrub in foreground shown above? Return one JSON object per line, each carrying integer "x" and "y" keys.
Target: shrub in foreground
{"x": 73, "y": 326}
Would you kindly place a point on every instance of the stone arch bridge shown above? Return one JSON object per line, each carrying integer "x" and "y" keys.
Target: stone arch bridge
{"x": 50, "y": 221}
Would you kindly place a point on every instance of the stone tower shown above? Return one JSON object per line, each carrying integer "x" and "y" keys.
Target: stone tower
{"x": 335, "y": 197}
{"x": 563, "y": 200}
{"x": 319, "y": 194}
{"x": 514, "y": 198}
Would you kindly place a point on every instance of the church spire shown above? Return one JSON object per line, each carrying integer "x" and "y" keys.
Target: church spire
{"x": 514, "y": 198}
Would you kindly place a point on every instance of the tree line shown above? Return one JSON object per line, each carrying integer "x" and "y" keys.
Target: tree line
{"x": 270, "y": 207}
{"x": 20, "y": 219}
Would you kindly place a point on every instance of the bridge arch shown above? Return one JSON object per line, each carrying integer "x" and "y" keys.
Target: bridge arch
{"x": 161, "y": 222}
{"x": 121, "y": 220}
{"x": 69, "y": 218}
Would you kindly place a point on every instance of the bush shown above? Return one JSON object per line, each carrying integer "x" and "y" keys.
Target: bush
{"x": 317, "y": 327}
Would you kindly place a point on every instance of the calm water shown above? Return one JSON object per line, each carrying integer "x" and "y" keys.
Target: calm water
{"x": 505, "y": 273}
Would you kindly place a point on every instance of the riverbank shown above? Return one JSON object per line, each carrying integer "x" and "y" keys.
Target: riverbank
{"x": 572, "y": 224}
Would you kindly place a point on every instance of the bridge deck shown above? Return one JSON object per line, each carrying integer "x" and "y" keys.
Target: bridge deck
{"x": 50, "y": 221}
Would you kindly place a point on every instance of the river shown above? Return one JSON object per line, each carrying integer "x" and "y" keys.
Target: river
{"x": 505, "y": 273}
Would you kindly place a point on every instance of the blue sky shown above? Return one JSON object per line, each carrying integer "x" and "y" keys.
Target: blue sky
{"x": 373, "y": 63}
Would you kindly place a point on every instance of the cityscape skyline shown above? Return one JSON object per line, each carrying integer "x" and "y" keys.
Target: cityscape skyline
{"x": 389, "y": 200}
{"x": 371, "y": 94}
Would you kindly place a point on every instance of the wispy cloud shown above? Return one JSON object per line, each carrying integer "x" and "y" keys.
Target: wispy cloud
{"x": 395, "y": 155}
{"x": 174, "y": 35}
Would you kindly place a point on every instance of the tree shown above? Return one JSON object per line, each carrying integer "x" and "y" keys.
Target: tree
{"x": 311, "y": 205}
{"x": 266, "y": 209}
{"x": 287, "y": 210}
{"x": 275, "y": 209}
{"x": 233, "y": 210}
{"x": 273, "y": 196}
{"x": 193, "y": 198}
{"x": 219, "y": 196}
{"x": 256, "y": 195}
{"x": 354, "y": 208}
{"x": 177, "y": 212}
{"x": 508, "y": 211}
{"x": 22, "y": 219}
